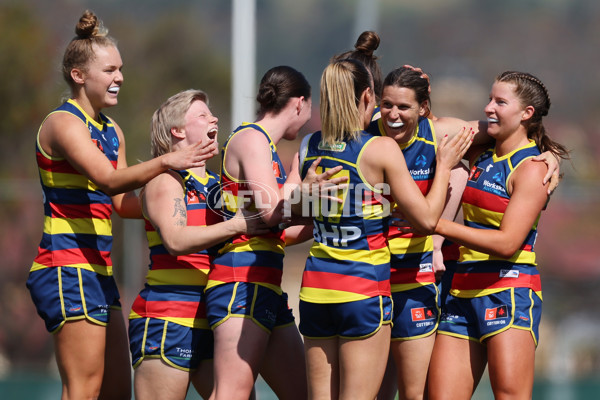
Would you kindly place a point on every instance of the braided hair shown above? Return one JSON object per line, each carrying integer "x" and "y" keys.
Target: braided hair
{"x": 532, "y": 92}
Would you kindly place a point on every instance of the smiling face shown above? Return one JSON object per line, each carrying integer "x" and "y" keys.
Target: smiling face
{"x": 102, "y": 77}
{"x": 504, "y": 112}
{"x": 400, "y": 112}
{"x": 200, "y": 124}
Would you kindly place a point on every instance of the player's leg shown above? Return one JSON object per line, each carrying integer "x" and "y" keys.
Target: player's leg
{"x": 240, "y": 345}
{"x": 322, "y": 368}
{"x": 456, "y": 367}
{"x": 155, "y": 380}
{"x": 412, "y": 363}
{"x": 79, "y": 348}
{"x": 203, "y": 377}
{"x": 416, "y": 314}
{"x": 116, "y": 383}
{"x": 362, "y": 366}
{"x": 389, "y": 385}
{"x": 511, "y": 359}
{"x": 284, "y": 366}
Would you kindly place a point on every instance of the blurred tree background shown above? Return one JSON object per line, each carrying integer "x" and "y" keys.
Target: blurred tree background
{"x": 171, "y": 46}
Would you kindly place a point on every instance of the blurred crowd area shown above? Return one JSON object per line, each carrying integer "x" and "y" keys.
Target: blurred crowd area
{"x": 462, "y": 44}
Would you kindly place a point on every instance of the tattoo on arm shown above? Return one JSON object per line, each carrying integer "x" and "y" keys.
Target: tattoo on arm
{"x": 179, "y": 212}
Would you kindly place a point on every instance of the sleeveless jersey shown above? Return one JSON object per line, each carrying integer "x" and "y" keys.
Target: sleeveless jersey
{"x": 249, "y": 258}
{"x": 77, "y": 225}
{"x": 412, "y": 253}
{"x": 174, "y": 289}
{"x": 349, "y": 258}
{"x": 484, "y": 202}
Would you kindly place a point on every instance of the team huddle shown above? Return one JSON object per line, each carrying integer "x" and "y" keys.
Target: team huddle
{"x": 398, "y": 296}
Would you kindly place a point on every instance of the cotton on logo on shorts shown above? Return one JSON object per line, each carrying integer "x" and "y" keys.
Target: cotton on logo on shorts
{"x": 496, "y": 313}
{"x": 422, "y": 313}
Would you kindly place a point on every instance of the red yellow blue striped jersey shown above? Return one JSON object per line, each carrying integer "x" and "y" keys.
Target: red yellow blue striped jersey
{"x": 174, "y": 288}
{"x": 412, "y": 253}
{"x": 484, "y": 202}
{"x": 77, "y": 225}
{"x": 349, "y": 258}
{"x": 249, "y": 258}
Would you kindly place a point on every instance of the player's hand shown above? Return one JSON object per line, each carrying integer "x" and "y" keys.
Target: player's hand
{"x": 324, "y": 185}
{"x": 194, "y": 155}
{"x": 553, "y": 174}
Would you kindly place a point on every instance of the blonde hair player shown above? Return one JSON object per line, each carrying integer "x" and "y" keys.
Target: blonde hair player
{"x": 84, "y": 176}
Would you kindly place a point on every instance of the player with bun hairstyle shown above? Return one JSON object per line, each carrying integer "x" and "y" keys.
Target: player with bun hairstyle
{"x": 84, "y": 176}
{"x": 345, "y": 303}
{"x": 364, "y": 51}
{"x": 492, "y": 313}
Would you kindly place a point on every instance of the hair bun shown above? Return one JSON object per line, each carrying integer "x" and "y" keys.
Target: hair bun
{"x": 367, "y": 43}
{"x": 267, "y": 95}
{"x": 89, "y": 26}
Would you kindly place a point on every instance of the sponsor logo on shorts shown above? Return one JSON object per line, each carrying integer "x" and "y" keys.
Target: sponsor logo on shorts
{"x": 240, "y": 302}
{"x": 496, "y": 316}
{"x": 184, "y": 353}
{"x": 387, "y": 311}
{"x": 509, "y": 273}
{"x": 270, "y": 316}
{"x": 423, "y": 316}
{"x": 449, "y": 317}
{"x": 422, "y": 313}
{"x": 152, "y": 346}
{"x": 427, "y": 267}
{"x": 523, "y": 316}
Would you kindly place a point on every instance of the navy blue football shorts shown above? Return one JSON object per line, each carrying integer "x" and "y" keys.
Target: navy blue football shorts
{"x": 416, "y": 312}
{"x": 262, "y": 305}
{"x": 478, "y": 318}
{"x": 352, "y": 320}
{"x": 62, "y": 294}
{"x": 179, "y": 346}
